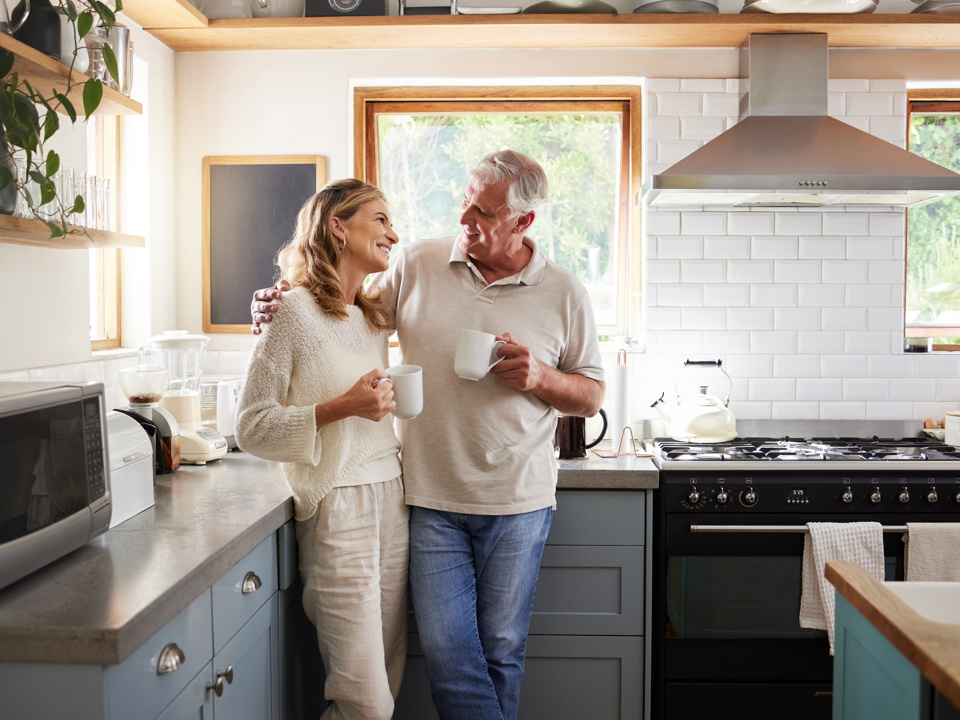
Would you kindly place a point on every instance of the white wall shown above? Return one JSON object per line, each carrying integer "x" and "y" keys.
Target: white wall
{"x": 779, "y": 337}
{"x": 46, "y": 321}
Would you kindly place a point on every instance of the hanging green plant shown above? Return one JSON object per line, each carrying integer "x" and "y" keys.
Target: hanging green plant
{"x": 28, "y": 118}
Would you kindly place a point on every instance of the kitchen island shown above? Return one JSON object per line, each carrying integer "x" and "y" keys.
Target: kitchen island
{"x": 890, "y": 651}
{"x": 99, "y": 604}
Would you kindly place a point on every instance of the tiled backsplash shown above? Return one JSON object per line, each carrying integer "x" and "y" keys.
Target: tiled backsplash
{"x": 805, "y": 307}
{"x": 106, "y": 366}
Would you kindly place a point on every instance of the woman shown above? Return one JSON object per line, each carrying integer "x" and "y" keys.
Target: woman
{"x": 313, "y": 399}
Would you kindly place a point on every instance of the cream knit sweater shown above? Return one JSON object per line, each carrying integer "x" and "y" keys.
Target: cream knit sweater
{"x": 303, "y": 358}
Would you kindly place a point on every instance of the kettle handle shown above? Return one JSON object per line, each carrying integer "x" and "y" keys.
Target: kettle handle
{"x": 603, "y": 416}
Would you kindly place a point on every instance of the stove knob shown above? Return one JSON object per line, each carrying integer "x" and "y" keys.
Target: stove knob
{"x": 932, "y": 496}
{"x": 904, "y": 496}
{"x": 722, "y": 497}
{"x": 693, "y": 497}
{"x": 749, "y": 498}
{"x": 957, "y": 497}
{"x": 875, "y": 496}
{"x": 847, "y": 496}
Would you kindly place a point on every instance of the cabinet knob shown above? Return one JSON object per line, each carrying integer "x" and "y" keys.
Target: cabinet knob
{"x": 171, "y": 658}
{"x": 217, "y": 686}
{"x": 226, "y": 674}
{"x": 251, "y": 583}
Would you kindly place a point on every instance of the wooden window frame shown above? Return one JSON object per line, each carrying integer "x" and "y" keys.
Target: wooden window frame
{"x": 368, "y": 102}
{"x": 928, "y": 100}
{"x": 107, "y": 131}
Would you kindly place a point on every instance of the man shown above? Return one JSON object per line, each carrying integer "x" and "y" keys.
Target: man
{"x": 478, "y": 464}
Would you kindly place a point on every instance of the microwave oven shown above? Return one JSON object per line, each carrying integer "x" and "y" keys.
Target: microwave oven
{"x": 54, "y": 472}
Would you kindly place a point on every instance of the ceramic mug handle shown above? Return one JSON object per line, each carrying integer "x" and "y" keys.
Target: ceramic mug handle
{"x": 497, "y": 344}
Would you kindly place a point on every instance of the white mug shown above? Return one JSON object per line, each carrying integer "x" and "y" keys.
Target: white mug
{"x": 407, "y": 390}
{"x": 474, "y": 350}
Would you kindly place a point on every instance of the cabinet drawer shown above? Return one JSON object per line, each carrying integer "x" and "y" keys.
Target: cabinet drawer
{"x": 598, "y": 517}
{"x": 234, "y": 598}
{"x": 195, "y": 702}
{"x": 135, "y": 690}
{"x": 589, "y": 590}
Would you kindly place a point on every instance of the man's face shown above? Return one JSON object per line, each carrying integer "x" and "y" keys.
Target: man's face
{"x": 489, "y": 227}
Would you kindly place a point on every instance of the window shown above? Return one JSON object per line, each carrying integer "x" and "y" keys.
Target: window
{"x": 933, "y": 230}
{"x": 417, "y": 143}
{"x": 105, "y": 263}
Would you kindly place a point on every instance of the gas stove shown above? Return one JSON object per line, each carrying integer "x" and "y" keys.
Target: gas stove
{"x": 805, "y": 453}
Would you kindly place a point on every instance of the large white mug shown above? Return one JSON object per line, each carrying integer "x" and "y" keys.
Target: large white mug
{"x": 474, "y": 350}
{"x": 407, "y": 390}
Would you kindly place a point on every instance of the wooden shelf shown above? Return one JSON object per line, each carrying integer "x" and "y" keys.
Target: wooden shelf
{"x": 543, "y": 31}
{"x": 35, "y": 233}
{"x": 46, "y": 75}
{"x": 164, "y": 14}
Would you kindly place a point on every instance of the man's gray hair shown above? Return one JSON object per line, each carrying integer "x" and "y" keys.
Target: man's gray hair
{"x": 528, "y": 181}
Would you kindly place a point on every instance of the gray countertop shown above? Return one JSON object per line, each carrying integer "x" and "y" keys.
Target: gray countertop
{"x": 101, "y": 602}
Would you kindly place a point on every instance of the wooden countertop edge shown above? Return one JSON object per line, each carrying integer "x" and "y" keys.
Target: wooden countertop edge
{"x": 932, "y": 647}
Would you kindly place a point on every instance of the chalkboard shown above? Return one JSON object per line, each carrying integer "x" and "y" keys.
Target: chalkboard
{"x": 250, "y": 206}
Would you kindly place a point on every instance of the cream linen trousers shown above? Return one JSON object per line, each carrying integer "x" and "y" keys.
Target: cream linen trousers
{"x": 354, "y": 554}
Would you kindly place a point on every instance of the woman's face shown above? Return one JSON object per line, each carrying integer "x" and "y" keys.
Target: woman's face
{"x": 369, "y": 237}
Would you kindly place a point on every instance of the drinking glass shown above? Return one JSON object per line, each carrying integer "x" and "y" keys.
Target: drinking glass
{"x": 22, "y": 211}
{"x": 65, "y": 190}
{"x": 103, "y": 205}
{"x": 79, "y": 188}
{"x": 90, "y": 220}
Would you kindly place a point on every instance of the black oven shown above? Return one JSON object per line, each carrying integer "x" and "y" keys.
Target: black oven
{"x": 728, "y": 545}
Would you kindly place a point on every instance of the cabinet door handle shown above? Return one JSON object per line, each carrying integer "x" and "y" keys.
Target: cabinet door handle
{"x": 217, "y": 686}
{"x": 171, "y": 658}
{"x": 226, "y": 675}
{"x": 251, "y": 583}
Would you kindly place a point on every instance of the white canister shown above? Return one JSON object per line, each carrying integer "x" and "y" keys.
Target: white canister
{"x": 951, "y": 428}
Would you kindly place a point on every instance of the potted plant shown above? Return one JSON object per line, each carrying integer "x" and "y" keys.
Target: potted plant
{"x": 28, "y": 118}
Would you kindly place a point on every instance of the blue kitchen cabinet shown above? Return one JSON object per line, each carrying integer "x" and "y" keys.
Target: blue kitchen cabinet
{"x": 585, "y": 652}
{"x": 872, "y": 680}
{"x": 227, "y": 638}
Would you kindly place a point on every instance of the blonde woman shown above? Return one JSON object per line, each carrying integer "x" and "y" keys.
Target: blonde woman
{"x": 313, "y": 400}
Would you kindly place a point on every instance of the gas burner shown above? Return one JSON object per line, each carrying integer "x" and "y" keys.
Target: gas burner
{"x": 810, "y": 449}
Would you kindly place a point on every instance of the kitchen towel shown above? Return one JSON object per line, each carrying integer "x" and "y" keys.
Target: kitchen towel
{"x": 859, "y": 542}
{"x": 933, "y": 552}
{"x": 618, "y": 393}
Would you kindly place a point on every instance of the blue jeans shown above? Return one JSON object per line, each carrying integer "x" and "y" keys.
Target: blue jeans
{"x": 473, "y": 579}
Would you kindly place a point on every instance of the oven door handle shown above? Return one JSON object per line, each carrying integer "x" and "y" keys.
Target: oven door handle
{"x": 766, "y": 529}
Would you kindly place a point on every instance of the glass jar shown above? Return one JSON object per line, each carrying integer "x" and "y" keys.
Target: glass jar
{"x": 103, "y": 205}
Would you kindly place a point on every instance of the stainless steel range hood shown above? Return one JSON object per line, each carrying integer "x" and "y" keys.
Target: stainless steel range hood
{"x": 787, "y": 152}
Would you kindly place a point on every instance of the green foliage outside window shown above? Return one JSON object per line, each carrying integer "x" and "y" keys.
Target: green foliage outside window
{"x": 933, "y": 230}
{"x": 422, "y": 167}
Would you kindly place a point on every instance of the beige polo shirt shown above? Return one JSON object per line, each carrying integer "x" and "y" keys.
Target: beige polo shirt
{"x": 482, "y": 447}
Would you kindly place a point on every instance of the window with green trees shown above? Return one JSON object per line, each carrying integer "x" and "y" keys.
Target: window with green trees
{"x": 933, "y": 232}
{"x": 424, "y": 149}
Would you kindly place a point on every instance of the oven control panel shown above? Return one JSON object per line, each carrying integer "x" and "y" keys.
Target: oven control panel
{"x": 715, "y": 492}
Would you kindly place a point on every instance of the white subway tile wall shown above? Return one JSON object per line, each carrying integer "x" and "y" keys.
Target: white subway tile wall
{"x": 813, "y": 299}
{"x": 804, "y": 307}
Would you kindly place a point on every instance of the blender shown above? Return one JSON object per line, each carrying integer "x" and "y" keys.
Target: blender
{"x": 144, "y": 385}
{"x": 182, "y": 355}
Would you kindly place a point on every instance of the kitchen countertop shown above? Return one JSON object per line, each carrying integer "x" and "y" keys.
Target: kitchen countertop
{"x": 99, "y": 603}
{"x": 933, "y": 647}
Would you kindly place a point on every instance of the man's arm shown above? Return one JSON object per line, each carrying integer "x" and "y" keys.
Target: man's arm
{"x": 569, "y": 393}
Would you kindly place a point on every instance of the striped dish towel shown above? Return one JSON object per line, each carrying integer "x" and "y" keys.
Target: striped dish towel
{"x": 859, "y": 542}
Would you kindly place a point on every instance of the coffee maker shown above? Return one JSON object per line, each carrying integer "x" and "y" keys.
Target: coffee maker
{"x": 182, "y": 355}
{"x": 143, "y": 386}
